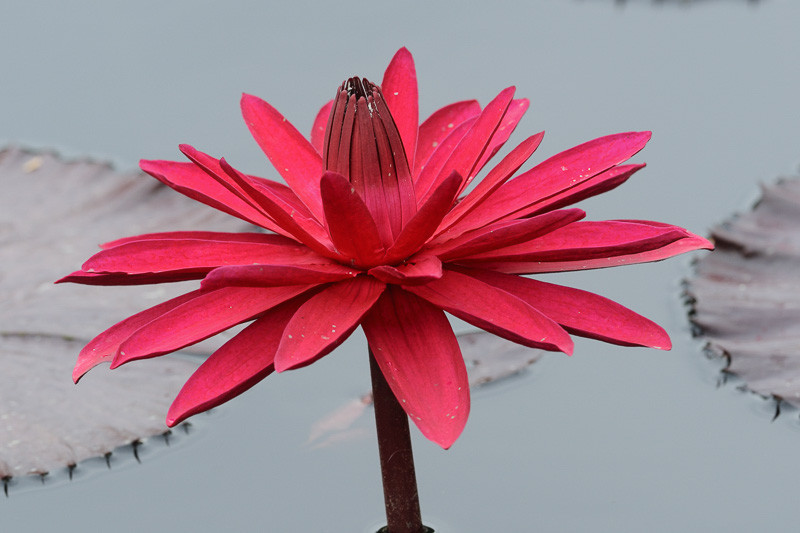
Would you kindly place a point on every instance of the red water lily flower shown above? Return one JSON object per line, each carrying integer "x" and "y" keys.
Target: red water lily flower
{"x": 374, "y": 228}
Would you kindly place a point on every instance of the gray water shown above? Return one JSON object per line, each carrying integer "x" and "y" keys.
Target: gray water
{"x": 610, "y": 439}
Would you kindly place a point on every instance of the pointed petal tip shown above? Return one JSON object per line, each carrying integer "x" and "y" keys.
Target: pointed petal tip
{"x": 175, "y": 416}
{"x": 444, "y": 436}
{"x": 246, "y": 97}
{"x": 247, "y": 102}
{"x": 705, "y": 244}
{"x": 66, "y": 279}
{"x": 403, "y": 51}
{"x": 568, "y": 348}
{"x": 642, "y": 136}
{"x": 148, "y": 165}
{"x": 447, "y": 443}
{"x": 660, "y": 340}
{"x": 187, "y": 149}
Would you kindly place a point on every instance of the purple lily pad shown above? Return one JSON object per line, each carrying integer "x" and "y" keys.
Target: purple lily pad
{"x": 54, "y": 214}
{"x": 746, "y": 294}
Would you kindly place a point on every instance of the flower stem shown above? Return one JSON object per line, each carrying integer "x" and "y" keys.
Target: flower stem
{"x": 397, "y": 460}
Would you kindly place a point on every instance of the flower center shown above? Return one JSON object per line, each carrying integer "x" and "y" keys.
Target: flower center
{"x": 363, "y": 144}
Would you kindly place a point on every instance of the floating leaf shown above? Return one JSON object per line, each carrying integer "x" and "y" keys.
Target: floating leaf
{"x": 746, "y": 294}
{"x": 54, "y": 214}
{"x": 489, "y": 358}
{"x": 47, "y": 422}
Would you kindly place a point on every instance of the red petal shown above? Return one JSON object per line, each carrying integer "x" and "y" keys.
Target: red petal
{"x": 465, "y": 157}
{"x": 103, "y": 347}
{"x": 304, "y": 229}
{"x": 433, "y": 166}
{"x": 416, "y": 271}
{"x": 514, "y": 114}
{"x": 352, "y": 228}
{"x": 144, "y": 256}
{"x": 582, "y": 245}
{"x": 194, "y": 182}
{"x": 318, "y": 129}
{"x": 276, "y": 275}
{"x": 425, "y": 221}
{"x": 400, "y": 92}
{"x": 418, "y": 353}
{"x": 201, "y": 317}
{"x": 438, "y": 127}
{"x": 211, "y": 166}
{"x": 396, "y": 182}
{"x": 265, "y": 238}
{"x": 565, "y": 170}
{"x": 603, "y": 182}
{"x": 580, "y": 312}
{"x": 239, "y": 364}
{"x": 325, "y": 321}
{"x": 119, "y": 278}
{"x": 494, "y": 310}
{"x": 494, "y": 179}
{"x": 250, "y": 189}
{"x": 290, "y": 153}
{"x": 505, "y": 233}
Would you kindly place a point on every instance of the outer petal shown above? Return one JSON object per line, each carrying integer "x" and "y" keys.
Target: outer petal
{"x": 304, "y": 229}
{"x": 290, "y": 153}
{"x": 325, "y": 321}
{"x": 318, "y": 129}
{"x": 494, "y": 310}
{"x": 202, "y": 236}
{"x": 201, "y": 317}
{"x": 276, "y": 275}
{"x": 418, "y": 353}
{"x": 239, "y": 364}
{"x": 472, "y": 146}
{"x": 249, "y": 188}
{"x": 120, "y": 278}
{"x": 416, "y": 271}
{"x": 583, "y": 245}
{"x": 520, "y": 196}
{"x": 506, "y": 233}
{"x": 514, "y": 114}
{"x": 430, "y": 170}
{"x": 212, "y": 167}
{"x": 179, "y": 254}
{"x": 439, "y": 125}
{"x": 103, "y": 347}
{"x": 351, "y": 226}
{"x": 194, "y": 182}
{"x": 603, "y": 182}
{"x": 400, "y": 92}
{"x": 494, "y": 179}
{"x": 580, "y": 312}
{"x": 685, "y": 244}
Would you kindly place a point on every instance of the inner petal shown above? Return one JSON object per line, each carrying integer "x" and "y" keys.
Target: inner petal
{"x": 363, "y": 144}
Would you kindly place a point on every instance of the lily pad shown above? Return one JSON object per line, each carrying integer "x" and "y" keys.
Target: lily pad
{"x": 48, "y": 422}
{"x": 54, "y": 214}
{"x": 746, "y": 294}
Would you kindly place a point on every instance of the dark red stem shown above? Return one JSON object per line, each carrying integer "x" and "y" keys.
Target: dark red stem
{"x": 397, "y": 460}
